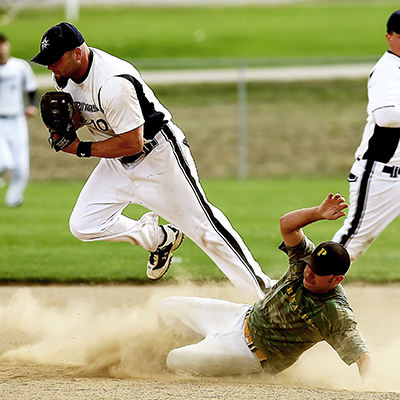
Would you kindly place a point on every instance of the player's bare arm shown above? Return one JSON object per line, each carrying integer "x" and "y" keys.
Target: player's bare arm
{"x": 126, "y": 144}
{"x": 291, "y": 224}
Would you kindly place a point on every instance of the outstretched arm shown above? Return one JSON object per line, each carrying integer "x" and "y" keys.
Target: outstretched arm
{"x": 293, "y": 222}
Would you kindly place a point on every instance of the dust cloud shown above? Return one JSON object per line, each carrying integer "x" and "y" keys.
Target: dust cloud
{"x": 119, "y": 341}
{"x": 113, "y": 331}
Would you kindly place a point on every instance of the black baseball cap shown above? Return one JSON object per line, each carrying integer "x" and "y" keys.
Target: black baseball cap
{"x": 56, "y": 41}
{"x": 328, "y": 258}
{"x": 393, "y": 24}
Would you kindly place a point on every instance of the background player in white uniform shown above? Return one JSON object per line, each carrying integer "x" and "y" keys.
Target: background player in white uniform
{"x": 306, "y": 306}
{"x": 16, "y": 81}
{"x": 145, "y": 159}
{"x": 375, "y": 175}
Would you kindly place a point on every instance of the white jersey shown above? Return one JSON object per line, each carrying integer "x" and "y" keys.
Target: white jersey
{"x": 16, "y": 78}
{"x": 113, "y": 98}
{"x": 380, "y": 141}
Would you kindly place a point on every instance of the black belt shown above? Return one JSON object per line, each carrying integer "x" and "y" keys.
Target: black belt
{"x": 392, "y": 170}
{"x": 147, "y": 148}
{"x": 8, "y": 116}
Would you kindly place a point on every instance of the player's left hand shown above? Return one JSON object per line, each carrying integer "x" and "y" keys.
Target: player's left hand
{"x": 332, "y": 207}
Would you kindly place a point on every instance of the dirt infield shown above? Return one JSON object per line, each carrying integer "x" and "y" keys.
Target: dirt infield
{"x": 103, "y": 342}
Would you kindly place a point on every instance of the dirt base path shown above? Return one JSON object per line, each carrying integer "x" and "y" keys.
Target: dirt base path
{"x": 103, "y": 342}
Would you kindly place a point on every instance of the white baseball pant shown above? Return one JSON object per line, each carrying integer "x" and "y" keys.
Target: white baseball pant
{"x": 166, "y": 182}
{"x": 14, "y": 156}
{"x": 220, "y": 324}
{"x": 374, "y": 204}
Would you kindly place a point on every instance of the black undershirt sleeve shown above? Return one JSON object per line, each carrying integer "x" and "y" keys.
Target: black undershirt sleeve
{"x": 32, "y": 96}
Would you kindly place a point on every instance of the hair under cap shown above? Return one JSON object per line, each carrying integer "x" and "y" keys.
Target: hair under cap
{"x": 393, "y": 24}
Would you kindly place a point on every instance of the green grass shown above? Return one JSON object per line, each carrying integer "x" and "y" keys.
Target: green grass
{"x": 285, "y": 121}
{"x": 295, "y": 33}
{"x": 36, "y": 244}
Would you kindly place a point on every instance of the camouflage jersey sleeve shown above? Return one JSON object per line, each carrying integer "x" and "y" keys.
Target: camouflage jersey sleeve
{"x": 295, "y": 253}
{"x": 341, "y": 332}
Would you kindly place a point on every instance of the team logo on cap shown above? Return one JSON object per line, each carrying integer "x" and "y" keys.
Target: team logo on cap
{"x": 322, "y": 252}
{"x": 44, "y": 44}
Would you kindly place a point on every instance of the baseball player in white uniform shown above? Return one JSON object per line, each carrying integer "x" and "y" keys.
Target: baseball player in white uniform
{"x": 16, "y": 82}
{"x": 375, "y": 175}
{"x": 145, "y": 159}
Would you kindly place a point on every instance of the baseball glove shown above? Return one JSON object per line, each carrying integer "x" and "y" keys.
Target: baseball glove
{"x": 57, "y": 111}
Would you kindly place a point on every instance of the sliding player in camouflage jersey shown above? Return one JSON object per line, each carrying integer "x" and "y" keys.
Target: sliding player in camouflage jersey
{"x": 306, "y": 306}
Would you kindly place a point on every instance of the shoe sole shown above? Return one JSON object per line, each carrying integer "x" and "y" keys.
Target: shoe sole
{"x": 164, "y": 269}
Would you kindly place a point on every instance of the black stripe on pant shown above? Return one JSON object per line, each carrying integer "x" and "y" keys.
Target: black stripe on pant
{"x": 361, "y": 203}
{"x": 219, "y": 228}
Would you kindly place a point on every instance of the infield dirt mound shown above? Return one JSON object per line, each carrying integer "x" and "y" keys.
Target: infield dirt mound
{"x": 103, "y": 342}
